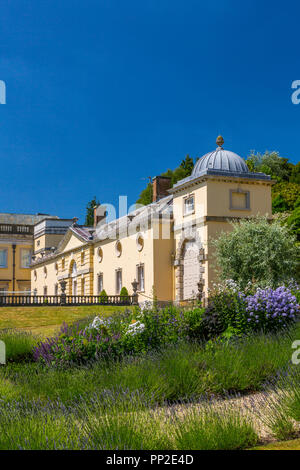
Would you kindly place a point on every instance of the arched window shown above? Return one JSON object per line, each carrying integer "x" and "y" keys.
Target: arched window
{"x": 74, "y": 270}
{"x": 74, "y": 280}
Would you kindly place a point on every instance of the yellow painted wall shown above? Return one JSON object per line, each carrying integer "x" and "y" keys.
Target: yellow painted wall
{"x": 22, "y": 275}
{"x": 200, "y": 193}
{"x": 128, "y": 262}
{"x": 212, "y": 199}
{"x": 46, "y": 241}
{"x": 164, "y": 248}
{"x": 218, "y": 197}
{"x": 73, "y": 243}
{"x": 56, "y": 272}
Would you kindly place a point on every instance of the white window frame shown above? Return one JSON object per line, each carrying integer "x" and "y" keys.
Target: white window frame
{"x": 21, "y": 257}
{"x": 119, "y": 282}
{"x": 4, "y": 289}
{"x": 5, "y": 250}
{"x": 140, "y": 267}
{"x": 100, "y": 276}
{"x": 190, "y": 197}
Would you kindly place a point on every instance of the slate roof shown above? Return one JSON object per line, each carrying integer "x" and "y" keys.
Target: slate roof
{"x": 23, "y": 219}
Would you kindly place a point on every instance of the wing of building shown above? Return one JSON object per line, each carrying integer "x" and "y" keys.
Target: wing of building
{"x": 164, "y": 246}
{"x": 16, "y": 248}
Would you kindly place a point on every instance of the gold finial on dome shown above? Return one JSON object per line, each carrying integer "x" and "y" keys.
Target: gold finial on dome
{"x": 220, "y": 141}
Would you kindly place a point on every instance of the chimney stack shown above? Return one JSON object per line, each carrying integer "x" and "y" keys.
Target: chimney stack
{"x": 160, "y": 187}
{"x": 99, "y": 215}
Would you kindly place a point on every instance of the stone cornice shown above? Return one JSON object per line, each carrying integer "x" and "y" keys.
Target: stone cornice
{"x": 62, "y": 254}
{"x": 17, "y": 241}
{"x": 201, "y": 221}
{"x": 220, "y": 178}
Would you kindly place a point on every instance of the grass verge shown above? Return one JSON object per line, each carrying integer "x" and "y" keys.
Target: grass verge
{"x": 45, "y": 320}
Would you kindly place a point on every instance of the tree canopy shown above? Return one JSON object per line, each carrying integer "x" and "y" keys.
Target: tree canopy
{"x": 89, "y": 217}
{"x": 182, "y": 171}
{"x": 272, "y": 164}
{"x": 286, "y": 191}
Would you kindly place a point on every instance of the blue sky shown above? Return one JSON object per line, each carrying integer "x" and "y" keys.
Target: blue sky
{"x": 102, "y": 94}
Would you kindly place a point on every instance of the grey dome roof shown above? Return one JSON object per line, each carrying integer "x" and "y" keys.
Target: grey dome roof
{"x": 220, "y": 159}
{"x": 222, "y": 163}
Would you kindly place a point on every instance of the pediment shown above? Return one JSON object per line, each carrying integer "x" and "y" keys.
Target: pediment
{"x": 71, "y": 241}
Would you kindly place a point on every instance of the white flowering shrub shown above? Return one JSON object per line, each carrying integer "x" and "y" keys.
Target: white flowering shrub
{"x": 97, "y": 323}
{"x": 135, "y": 328}
{"x": 145, "y": 305}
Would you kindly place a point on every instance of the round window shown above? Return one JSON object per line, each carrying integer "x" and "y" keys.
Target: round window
{"x": 140, "y": 242}
{"x": 118, "y": 248}
{"x": 100, "y": 254}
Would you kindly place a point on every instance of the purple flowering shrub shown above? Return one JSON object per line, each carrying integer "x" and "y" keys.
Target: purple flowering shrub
{"x": 75, "y": 346}
{"x": 229, "y": 313}
{"x": 271, "y": 309}
{"x": 120, "y": 334}
{"x": 256, "y": 309}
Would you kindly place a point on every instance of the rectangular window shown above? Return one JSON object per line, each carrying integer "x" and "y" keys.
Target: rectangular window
{"x": 239, "y": 199}
{"x": 3, "y": 258}
{"x": 100, "y": 283}
{"x": 45, "y": 290}
{"x": 56, "y": 289}
{"x": 189, "y": 205}
{"x": 82, "y": 286}
{"x": 25, "y": 258}
{"x": 118, "y": 281}
{"x": 3, "y": 290}
{"x": 141, "y": 277}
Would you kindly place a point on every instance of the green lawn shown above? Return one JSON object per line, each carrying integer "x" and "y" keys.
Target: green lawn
{"x": 285, "y": 445}
{"x": 46, "y": 320}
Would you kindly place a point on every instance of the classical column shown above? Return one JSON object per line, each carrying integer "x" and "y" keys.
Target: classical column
{"x": 178, "y": 279}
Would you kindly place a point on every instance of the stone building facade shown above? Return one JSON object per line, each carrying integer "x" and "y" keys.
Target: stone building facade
{"x": 166, "y": 245}
{"x": 16, "y": 249}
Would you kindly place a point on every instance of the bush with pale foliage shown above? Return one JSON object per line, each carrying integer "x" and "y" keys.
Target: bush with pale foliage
{"x": 257, "y": 251}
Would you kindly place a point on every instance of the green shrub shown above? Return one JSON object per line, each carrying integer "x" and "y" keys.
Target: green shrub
{"x": 124, "y": 295}
{"x": 293, "y": 222}
{"x": 282, "y": 404}
{"x": 225, "y": 310}
{"x": 19, "y": 344}
{"x": 215, "y": 368}
{"x": 208, "y": 429}
{"x": 103, "y": 298}
{"x": 124, "y": 292}
{"x": 257, "y": 251}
